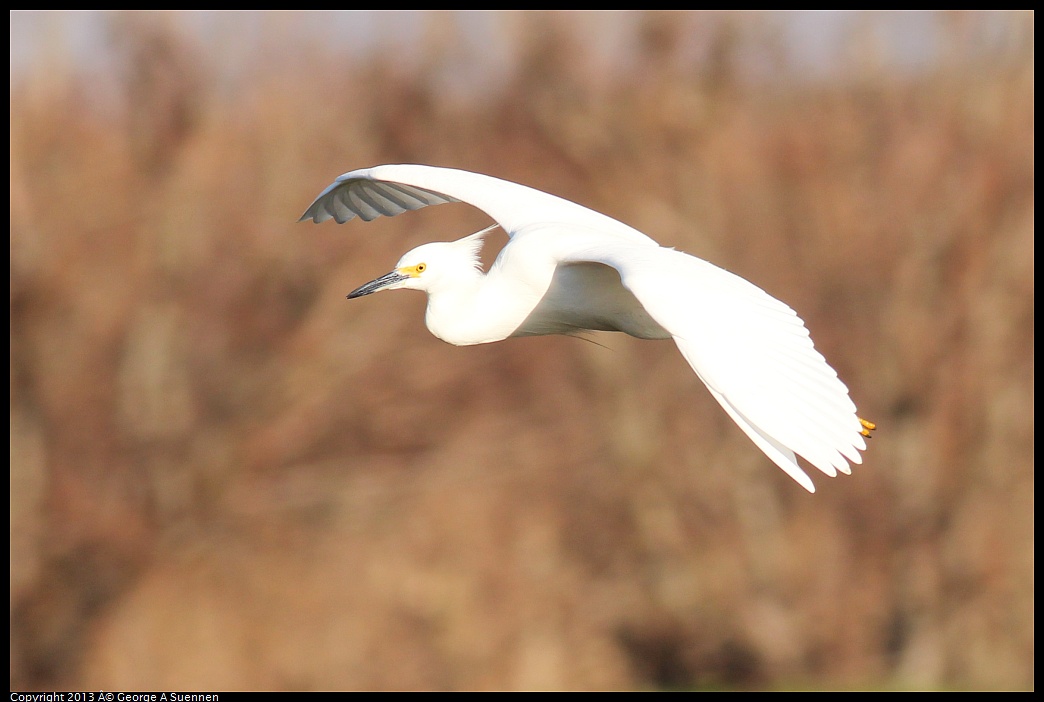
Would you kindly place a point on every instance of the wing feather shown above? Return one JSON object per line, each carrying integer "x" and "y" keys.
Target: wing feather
{"x": 751, "y": 350}
{"x": 393, "y": 189}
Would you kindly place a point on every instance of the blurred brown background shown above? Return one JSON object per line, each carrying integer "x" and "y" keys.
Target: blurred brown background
{"x": 226, "y": 476}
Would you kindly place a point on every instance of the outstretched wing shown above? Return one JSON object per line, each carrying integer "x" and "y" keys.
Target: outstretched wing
{"x": 351, "y": 195}
{"x": 393, "y": 189}
{"x": 752, "y": 351}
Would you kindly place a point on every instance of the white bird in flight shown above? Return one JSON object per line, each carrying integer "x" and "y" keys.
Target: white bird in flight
{"x": 568, "y": 269}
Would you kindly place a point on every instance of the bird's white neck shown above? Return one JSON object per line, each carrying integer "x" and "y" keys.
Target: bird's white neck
{"x": 473, "y": 311}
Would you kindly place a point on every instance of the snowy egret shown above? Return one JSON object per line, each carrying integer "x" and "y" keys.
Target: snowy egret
{"x": 568, "y": 269}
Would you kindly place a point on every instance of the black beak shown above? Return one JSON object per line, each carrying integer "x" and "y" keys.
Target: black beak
{"x": 378, "y": 285}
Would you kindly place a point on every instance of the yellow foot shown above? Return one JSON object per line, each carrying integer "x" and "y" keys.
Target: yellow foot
{"x": 867, "y": 427}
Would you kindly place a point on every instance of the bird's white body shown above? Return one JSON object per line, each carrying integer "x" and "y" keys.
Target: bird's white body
{"x": 568, "y": 269}
{"x": 532, "y": 290}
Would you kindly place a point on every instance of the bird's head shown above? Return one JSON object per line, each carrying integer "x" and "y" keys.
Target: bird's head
{"x": 431, "y": 266}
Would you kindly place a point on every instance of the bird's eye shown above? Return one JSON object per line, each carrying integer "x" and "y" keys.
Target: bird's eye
{"x": 421, "y": 267}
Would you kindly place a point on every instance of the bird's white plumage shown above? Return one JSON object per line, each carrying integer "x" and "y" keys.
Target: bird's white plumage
{"x": 567, "y": 268}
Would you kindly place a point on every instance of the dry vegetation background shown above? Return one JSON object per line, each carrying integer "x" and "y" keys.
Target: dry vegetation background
{"x": 224, "y": 475}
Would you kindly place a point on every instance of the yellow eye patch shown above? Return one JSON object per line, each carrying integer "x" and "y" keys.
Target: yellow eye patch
{"x": 414, "y": 271}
